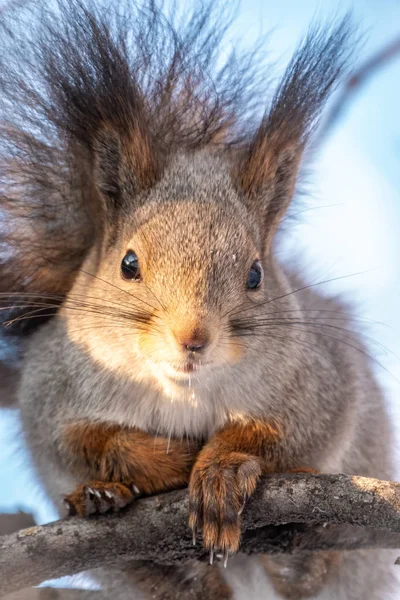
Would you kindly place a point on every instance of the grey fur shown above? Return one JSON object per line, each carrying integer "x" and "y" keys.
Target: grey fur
{"x": 313, "y": 377}
{"x": 198, "y": 213}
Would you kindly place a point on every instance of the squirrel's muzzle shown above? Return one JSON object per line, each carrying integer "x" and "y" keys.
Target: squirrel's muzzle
{"x": 193, "y": 341}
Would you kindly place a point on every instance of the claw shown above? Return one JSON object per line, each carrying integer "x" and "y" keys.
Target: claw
{"x": 244, "y": 503}
{"x": 226, "y": 556}
{"x": 211, "y": 556}
{"x": 97, "y": 493}
{"x": 69, "y": 507}
{"x": 135, "y": 489}
{"x": 194, "y": 536}
{"x": 108, "y": 494}
{"x": 90, "y": 490}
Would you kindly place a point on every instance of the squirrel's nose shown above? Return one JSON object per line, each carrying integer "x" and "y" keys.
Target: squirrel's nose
{"x": 194, "y": 343}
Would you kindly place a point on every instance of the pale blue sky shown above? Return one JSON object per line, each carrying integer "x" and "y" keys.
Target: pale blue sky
{"x": 358, "y": 170}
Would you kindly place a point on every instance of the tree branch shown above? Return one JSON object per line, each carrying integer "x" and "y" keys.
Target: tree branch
{"x": 353, "y": 84}
{"x": 156, "y": 528}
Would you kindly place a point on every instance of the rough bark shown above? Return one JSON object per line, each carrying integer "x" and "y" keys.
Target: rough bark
{"x": 156, "y": 528}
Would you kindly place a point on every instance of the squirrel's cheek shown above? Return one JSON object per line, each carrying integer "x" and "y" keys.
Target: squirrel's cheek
{"x": 232, "y": 352}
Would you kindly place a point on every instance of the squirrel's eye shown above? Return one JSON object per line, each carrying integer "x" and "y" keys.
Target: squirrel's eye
{"x": 130, "y": 266}
{"x": 255, "y": 277}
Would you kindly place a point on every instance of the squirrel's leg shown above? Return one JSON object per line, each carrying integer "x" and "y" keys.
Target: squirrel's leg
{"x": 224, "y": 476}
{"x": 117, "y": 463}
{"x": 121, "y": 462}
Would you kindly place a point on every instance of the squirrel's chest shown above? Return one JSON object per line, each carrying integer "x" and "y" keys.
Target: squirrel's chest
{"x": 185, "y": 412}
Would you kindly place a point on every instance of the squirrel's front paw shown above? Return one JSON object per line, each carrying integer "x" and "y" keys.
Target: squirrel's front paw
{"x": 99, "y": 497}
{"x": 218, "y": 489}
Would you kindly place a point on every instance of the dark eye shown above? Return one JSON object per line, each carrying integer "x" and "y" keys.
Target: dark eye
{"x": 130, "y": 266}
{"x": 255, "y": 277}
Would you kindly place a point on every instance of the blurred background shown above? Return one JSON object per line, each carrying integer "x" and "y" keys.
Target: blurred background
{"x": 347, "y": 228}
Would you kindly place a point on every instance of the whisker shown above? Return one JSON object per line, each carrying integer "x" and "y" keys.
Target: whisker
{"x": 128, "y": 306}
{"x": 290, "y": 216}
{"x": 300, "y": 289}
{"x": 151, "y": 291}
{"x": 113, "y": 326}
{"x": 99, "y": 312}
{"x": 307, "y": 344}
{"x": 351, "y": 316}
{"x": 117, "y": 288}
{"x": 253, "y": 324}
{"x": 66, "y": 302}
{"x": 358, "y": 349}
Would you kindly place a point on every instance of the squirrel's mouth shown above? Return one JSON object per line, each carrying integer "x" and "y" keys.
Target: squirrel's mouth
{"x": 189, "y": 367}
{"x": 184, "y": 370}
{"x": 185, "y": 374}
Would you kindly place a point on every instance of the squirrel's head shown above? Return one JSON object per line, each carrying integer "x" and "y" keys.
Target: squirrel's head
{"x": 184, "y": 193}
{"x": 174, "y": 271}
{"x": 189, "y": 220}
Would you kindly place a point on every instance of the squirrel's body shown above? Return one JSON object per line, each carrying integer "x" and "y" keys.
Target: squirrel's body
{"x": 139, "y": 397}
{"x": 58, "y": 365}
{"x": 177, "y": 349}
{"x": 355, "y": 441}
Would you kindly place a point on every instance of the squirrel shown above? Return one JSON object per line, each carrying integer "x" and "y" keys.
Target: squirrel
{"x": 164, "y": 345}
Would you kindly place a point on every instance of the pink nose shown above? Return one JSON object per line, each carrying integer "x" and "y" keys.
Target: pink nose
{"x": 194, "y": 343}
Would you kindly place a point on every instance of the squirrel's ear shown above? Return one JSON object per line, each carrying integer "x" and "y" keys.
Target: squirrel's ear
{"x": 107, "y": 166}
{"x": 267, "y": 179}
{"x": 123, "y": 165}
{"x": 269, "y": 164}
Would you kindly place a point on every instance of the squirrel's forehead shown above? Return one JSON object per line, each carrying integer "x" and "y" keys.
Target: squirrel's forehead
{"x": 193, "y": 233}
{"x": 190, "y": 220}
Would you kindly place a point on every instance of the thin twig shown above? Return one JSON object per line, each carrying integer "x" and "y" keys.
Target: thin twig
{"x": 354, "y": 83}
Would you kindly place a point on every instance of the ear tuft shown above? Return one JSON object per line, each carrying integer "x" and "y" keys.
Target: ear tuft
{"x": 269, "y": 164}
{"x": 123, "y": 162}
{"x": 107, "y": 166}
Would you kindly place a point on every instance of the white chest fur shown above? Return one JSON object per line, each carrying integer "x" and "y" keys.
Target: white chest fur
{"x": 178, "y": 411}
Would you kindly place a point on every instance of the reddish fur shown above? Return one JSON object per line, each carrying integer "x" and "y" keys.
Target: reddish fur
{"x": 111, "y": 453}
{"x": 226, "y": 474}
{"x": 79, "y": 502}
